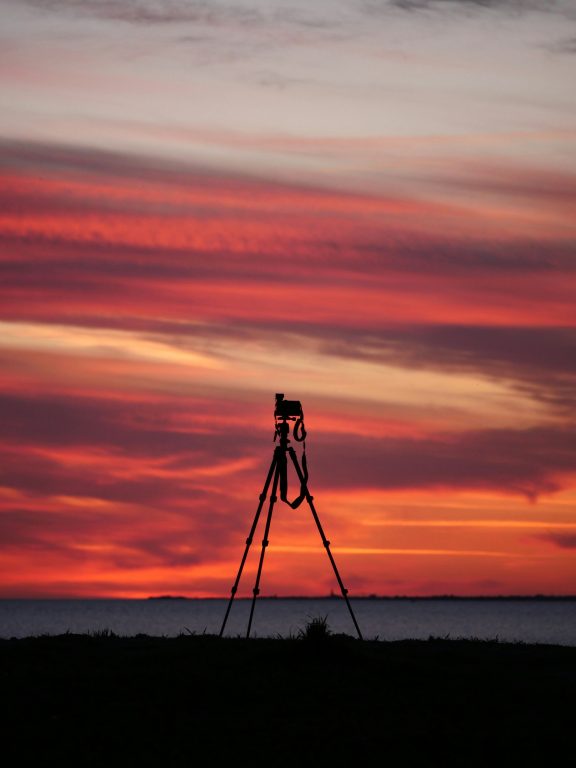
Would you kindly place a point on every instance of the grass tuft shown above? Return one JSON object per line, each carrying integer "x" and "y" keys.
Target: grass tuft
{"x": 102, "y": 633}
{"x": 315, "y": 629}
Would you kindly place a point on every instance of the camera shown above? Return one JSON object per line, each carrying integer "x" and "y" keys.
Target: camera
{"x": 287, "y": 409}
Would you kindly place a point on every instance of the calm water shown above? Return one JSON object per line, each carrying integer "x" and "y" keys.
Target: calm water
{"x": 530, "y": 621}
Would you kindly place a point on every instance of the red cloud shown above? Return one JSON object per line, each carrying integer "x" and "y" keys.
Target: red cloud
{"x": 120, "y": 464}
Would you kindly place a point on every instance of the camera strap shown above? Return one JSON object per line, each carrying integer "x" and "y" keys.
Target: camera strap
{"x": 284, "y": 481}
{"x": 299, "y": 431}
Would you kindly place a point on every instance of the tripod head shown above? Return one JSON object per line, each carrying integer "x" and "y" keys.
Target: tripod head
{"x": 284, "y": 412}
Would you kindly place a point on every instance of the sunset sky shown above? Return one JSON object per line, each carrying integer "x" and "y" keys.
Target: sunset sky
{"x": 368, "y": 205}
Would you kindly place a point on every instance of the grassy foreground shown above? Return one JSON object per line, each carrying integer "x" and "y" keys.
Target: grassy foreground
{"x": 99, "y": 700}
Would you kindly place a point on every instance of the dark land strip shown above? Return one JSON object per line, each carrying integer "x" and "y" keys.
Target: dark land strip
{"x": 101, "y": 700}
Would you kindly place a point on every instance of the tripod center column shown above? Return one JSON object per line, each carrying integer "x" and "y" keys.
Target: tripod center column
{"x": 283, "y": 429}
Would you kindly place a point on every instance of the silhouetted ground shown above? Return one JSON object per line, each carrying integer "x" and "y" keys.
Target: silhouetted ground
{"x": 103, "y": 700}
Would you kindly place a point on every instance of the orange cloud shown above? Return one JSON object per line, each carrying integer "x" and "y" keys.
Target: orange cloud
{"x": 148, "y": 316}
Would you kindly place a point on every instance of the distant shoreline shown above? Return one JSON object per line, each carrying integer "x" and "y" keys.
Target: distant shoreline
{"x": 369, "y": 597}
{"x": 406, "y": 598}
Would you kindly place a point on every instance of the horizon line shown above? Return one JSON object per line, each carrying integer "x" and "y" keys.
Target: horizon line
{"x": 332, "y": 596}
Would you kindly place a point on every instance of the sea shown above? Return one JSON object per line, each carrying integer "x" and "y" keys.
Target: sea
{"x": 525, "y": 620}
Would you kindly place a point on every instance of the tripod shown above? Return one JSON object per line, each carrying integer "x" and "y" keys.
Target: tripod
{"x": 286, "y": 411}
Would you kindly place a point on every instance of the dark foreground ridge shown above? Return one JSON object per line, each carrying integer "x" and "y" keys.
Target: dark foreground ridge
{"x": 100, "y": 700}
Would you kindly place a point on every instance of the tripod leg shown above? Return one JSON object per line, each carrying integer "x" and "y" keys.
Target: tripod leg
{"x": 249, "y": 539}
{"x": 325, "y": 541}
{"x": 256, "y": 590}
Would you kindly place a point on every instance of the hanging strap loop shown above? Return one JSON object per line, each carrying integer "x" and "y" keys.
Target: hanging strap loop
{"x": 299, "y": 431}
{"x": 284, "y": 483}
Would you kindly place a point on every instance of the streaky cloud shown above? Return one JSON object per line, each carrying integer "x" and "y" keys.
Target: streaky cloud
{"x": 527, "y": 462}
{"x": 202, "y": 13}
{"x": 560, "y": 539}
{"x": 514, "y": 6}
